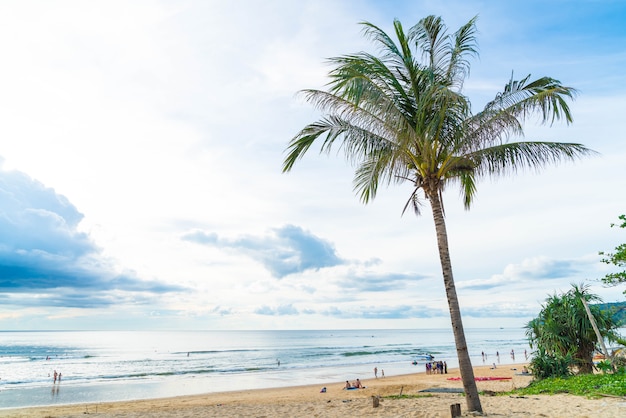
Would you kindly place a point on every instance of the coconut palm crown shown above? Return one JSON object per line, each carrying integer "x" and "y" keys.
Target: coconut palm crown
{"x": 400, "y": 116}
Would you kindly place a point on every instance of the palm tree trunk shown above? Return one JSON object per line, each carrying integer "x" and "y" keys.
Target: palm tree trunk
{"x": 465, "y": 364}
{"x": 598, "y": 335}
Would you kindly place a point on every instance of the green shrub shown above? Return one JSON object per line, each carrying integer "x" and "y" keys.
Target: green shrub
{"x": 545, "y": 365}
{"x": 605, "y": 366}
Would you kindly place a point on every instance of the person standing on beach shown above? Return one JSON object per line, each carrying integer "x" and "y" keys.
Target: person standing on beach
{"x": 376, "y": 372}
{"x": 382, "y": 373}
{"x": 54, "y": 380}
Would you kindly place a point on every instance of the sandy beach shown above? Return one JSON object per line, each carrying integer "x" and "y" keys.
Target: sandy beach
{"x": 309, "y": 401}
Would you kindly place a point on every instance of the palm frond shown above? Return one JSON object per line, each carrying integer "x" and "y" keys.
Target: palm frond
{"x": 357, "y": 115}
{"x": 374, "y": 169}
{"x": 503, "y": 117}
{"x": 386, "y": 46}
{"x": 356, "y": 141}
{"x": 367, "y": 82}
{"x": 545, "y": 96}
{"x": 413, "y": 201}
{"x": 464, "y": 47}
{"x": 510, "y": 157}
{"x": 430, "y": 36}
{"x": 490, "y": 127}
{"x": 462, "y": 170}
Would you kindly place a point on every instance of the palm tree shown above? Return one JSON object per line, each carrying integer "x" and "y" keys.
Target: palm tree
{"x": 563, "y": 328}
{"x": 400, "y": 116}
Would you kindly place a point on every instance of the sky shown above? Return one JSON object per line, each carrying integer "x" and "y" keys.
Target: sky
{"x": 141, "y": 149}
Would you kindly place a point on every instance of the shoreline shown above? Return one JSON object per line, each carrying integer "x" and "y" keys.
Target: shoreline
{"x": 163, "y": 364}
{"x": 120, "y": 390}
{"x": 308, "y": 400}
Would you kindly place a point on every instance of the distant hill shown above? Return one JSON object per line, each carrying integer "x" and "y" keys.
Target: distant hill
{"x": 617, "y": 309}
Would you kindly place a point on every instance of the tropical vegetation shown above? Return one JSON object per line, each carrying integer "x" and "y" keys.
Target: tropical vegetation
{"x": 564, "y": 336}
{"x": 400, "y": 115}
{"x": 617, "y": 310}
{"x": 617, "y": 258}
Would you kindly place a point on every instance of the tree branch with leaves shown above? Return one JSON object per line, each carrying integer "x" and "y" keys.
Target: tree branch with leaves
{"x": 617, "y": 258}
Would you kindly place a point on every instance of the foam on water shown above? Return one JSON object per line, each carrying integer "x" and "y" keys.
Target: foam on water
{"x": 100, "y": 366}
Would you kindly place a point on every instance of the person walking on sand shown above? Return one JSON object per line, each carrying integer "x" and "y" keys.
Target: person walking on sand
{"x": 382, "y": 373}
{"x": 376, "y": 372}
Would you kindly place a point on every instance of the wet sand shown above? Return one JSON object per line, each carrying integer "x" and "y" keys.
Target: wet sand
{"x": 308, "y": 401}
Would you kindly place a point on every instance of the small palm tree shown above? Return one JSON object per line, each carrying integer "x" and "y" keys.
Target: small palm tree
{"x": 563, "y": 329}
{"x": 400, "y": 116}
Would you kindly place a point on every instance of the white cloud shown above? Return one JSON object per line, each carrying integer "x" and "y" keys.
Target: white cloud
{"x": 138, "y": 122}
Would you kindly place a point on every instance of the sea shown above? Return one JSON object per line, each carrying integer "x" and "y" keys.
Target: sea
{"x": 105, "y": 366}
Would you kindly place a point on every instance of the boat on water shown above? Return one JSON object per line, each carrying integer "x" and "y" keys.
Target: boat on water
{"x": 422, "y": 357}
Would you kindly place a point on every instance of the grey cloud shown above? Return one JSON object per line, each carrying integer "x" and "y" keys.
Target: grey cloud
{"x": 34, "y": 218}
{"x": 550, "y": 269}
{"x": 351, "y": 312}
{"x": 200, "y": 237}
{"x": 41, "y": 250}
{"x": 531, "y": 270}
{"x": 224, "y": 311}
{"x": 69, "y": 298}
{"x": 333, "y": 311}
{"x": 495, "y": 311}
{"x": 377, "y": 282}
{"x": 277, "y": 311}
{"x": 399, "y": 312}
{"x": 287, "y": 250}
{"x": 478, "y": 285}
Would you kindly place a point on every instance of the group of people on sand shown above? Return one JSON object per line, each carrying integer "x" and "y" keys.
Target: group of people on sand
{"x": 354, "y": 385}
{"x": 437, "y": 367}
